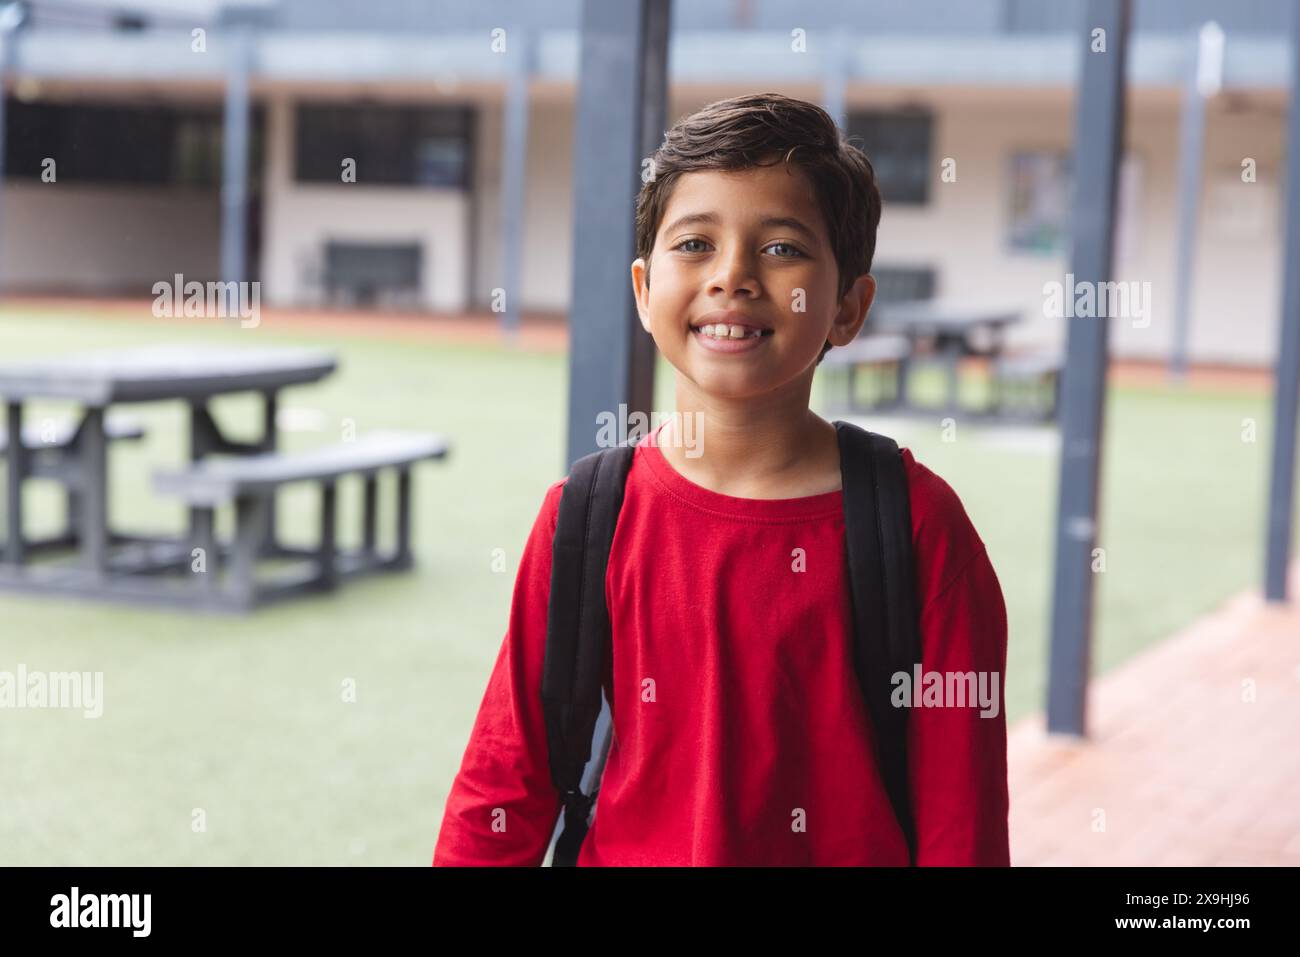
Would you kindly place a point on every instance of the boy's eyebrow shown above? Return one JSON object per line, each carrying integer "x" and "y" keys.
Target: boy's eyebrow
{"x": 711, "y": 219}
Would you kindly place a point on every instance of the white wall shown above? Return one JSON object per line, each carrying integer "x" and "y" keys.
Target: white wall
{"x": 962, "y": 231}
{"x": 299, "y": 220}
{"x": 114, "y": 238}
{"x": 487, "y": 179}
{"x": 95, "y": 238}
{"x": 548, "y": 208}
{"x": 1238, "y": 287}
{"x": 1236, "y": 280}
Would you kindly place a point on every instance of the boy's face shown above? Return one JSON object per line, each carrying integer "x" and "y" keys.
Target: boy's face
{"x": 777, "y": 276}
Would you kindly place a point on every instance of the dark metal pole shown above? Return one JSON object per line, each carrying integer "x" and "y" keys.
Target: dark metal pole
{"x": 12, "y": 16}
{"x": 622, "y": 96}
{"x": 622, "y": 106}
{"x": 234, "y": 159}
{"x": 15, "y": 472}
{"x": 5, "y": 43}
{"x": 1281, "y": 496}
{"x": 1098, "y": 139}
{"x": 514, "y": 169}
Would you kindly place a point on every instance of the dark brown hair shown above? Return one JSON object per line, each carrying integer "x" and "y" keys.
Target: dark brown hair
{"x": 761, "y": 130}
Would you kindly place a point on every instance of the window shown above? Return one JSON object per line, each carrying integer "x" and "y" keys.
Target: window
{"x": 1041, "y": 190}
{"x": 898, "y": 145}
{"x": 1040, "y": 196}
{"x": 114, "y": 144}
{"x": 197, "y": 157}
{"x": 393, "y": 145}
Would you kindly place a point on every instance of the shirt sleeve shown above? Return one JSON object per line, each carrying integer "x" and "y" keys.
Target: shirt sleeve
{"x": 957, "y": 755}
{"x": 502, "y": 807}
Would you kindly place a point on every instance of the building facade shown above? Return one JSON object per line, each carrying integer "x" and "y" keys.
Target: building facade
{"x": 377, "y": 149}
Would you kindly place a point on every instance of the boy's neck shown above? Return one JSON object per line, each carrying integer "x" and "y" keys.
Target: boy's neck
{"x": 790, "y": 453}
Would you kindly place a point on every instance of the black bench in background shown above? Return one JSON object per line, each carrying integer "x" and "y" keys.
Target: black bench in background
{"x": 882, "y": 356}
{"x": 250, "y": 482}
{"x": 52, "y": 450}
{"x": 1028, "y": 384}
{"x": 372, "y": 274}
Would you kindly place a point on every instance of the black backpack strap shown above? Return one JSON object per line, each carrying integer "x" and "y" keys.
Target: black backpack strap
{"x": 878, "y": 537}
{"x": 577, "y": 629}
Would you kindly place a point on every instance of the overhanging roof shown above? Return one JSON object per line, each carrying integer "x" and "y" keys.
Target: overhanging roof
{"x": 761, "y": 58}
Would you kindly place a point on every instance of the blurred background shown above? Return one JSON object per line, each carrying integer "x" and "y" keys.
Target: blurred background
{"x": 211, "y": 140}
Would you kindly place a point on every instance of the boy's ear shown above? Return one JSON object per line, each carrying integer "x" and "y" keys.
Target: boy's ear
{"x": 853, "y": 310}
{"x": 641, "y": 289}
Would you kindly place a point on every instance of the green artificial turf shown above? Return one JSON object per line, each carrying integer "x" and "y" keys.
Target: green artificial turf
{"x": 244, "y": 720}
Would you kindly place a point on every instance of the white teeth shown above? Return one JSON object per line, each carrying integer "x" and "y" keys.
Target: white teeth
{"x": 723, "y": 331}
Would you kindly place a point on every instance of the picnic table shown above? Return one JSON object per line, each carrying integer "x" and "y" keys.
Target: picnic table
{"x": 112, "y": 565}
{"x": 955, "y": 328}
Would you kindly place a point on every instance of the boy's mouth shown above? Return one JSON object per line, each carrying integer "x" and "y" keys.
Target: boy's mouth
{"x": 721, "y": 338}
{"x": 730, "y": 324}
{"x": 722, "y": 330}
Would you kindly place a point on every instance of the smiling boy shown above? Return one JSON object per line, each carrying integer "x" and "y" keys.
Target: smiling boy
{"x": 740, "y": 732}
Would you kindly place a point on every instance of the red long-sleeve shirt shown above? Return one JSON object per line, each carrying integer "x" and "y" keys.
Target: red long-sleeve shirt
{"x": 740, "y": 732}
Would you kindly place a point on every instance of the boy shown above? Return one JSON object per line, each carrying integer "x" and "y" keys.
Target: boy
{"x": 740, "y": 732}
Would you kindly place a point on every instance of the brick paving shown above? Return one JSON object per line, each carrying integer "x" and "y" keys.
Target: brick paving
{"x": 1181, "y": 767}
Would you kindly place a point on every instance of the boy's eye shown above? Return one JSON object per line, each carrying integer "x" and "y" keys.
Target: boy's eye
{"x": 794, "y": 251}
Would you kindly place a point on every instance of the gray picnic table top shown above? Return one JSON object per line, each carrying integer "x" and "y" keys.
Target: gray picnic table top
{"x": 929, "y": 316}
{"x": 154, "y": 373}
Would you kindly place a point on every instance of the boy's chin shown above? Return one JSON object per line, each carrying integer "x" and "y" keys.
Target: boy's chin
{"x": 734, "y": 385}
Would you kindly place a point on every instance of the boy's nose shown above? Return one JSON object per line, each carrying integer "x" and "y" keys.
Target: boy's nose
{"x": 735, "y": 273}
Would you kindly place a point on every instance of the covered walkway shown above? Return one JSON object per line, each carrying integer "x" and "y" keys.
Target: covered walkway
{"x": 1193, "y": 756}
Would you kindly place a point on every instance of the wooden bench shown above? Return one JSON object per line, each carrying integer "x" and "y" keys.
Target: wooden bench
{"x": 1033, "y": 379}
{"x": 884, "y": 356}
{"x": 250, "y": 482}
